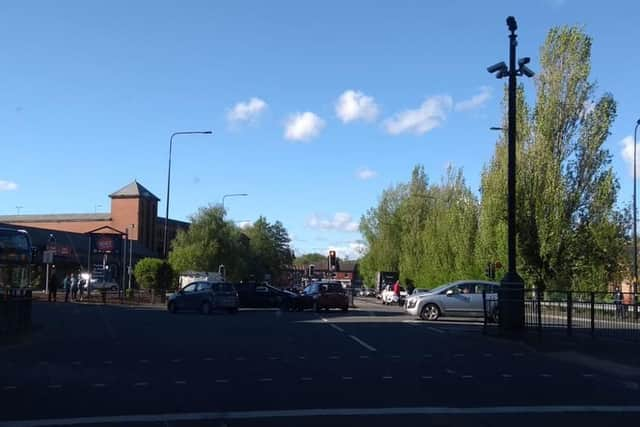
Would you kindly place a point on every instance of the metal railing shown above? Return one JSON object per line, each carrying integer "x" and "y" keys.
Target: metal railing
{"x": 593, "y": 313}
{"x": 132, "y": 297}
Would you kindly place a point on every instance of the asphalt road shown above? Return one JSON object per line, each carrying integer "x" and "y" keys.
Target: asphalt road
{"x": 92, "y": 364}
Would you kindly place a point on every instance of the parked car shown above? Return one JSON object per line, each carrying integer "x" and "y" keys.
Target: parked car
{"x": 389, "y": 297}
{"x": 97, "y": 285}
{"x": 319, "y": 295}
{"x": 205, "y": 297}
{"x": 256, "y": 295}
{"x": 367, "y": 292}
{"x": 463, "y": 298}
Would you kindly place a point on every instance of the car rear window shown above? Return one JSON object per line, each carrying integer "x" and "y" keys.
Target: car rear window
{"x": 333, "y": 287}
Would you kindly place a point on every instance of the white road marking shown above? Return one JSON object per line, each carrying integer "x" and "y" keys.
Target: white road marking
{"x": 98, "y": 385}
{"x": 364, "y": 357}
{"x": 176, "y": 360}
{"x": 431, "y": 328}
{"x": 362, "y": 343}
{"x": 450, "y": 371}
{"x": 208, "y": 359}
{"x": 387, "y": 377}
{"x": 631, "y": 385}
{"x": 306, "y": 379}
{"x": 324, "y": 320}
{"x": 108, "y": 362}
{"x": 458, "y": 355}
{"x": 467, "y": 376}
{"x": 427, "y": 356}
{"x": 241, "y": 358}
{"x": 335, "y": 412}
{"x": 265, "y": 380}
{"x": 9, "y": 387}
{"x": 222, "y": 381}
{"x": 588, "y": 375}
{"x": 517, "y": 354}
{"x": 426, "y": 377}
{"x": 546, "y": 375}
{"x": 75, "y": 363}
{"x": 334, "y": 357}
{"x": 181, "y": 382}
{"x": 336, "y": 327}
{"x": 347, "y": 378}
{"x": 274, "y": 358}
{"x": 141, "y": 384}
{"x": 143, "y": 361}
{"x": 507, "y": 375}
{"x": 395, "y": 356}
{"x": 488, "y": 354}
{"x": 54, "y": 386}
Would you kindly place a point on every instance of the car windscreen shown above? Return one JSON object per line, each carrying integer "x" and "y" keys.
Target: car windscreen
{"x": 333, "y": 287}
{"x": 440, "y": 288}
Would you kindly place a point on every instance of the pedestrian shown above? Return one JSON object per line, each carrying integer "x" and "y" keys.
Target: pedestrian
{"x": 74, "y": 286}
{"x": 396, "y": 292}
{"x": 66, "y": 285}
{"x": 618, "y": 300}
{"x": 81, "y": 289}
{"x": 53, "y": 285}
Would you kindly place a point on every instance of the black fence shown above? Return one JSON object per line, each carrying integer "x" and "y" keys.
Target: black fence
{"x": 603, "y": 314}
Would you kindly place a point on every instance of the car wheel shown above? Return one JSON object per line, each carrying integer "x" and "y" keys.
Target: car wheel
{"x": 172, "y": 307}
{"x": 205, "y": 308}
{"x": 495, "y": 315}
{"x": 430, "y": 312}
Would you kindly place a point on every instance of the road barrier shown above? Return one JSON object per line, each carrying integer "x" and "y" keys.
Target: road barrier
{"x": 593, "y": 313}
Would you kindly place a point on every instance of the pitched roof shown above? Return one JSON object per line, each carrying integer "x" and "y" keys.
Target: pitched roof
{"x": 56, "y": 218}
{"x": 134, "y": 190}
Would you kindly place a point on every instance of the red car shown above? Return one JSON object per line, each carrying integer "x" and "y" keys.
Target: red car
{"x": 325, "y": 295}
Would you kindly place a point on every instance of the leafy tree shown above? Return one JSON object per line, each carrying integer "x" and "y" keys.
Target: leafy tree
{"x": 311, "y": 258}
{"x": 154, "y": 273}
{"x": 269, "y": 248}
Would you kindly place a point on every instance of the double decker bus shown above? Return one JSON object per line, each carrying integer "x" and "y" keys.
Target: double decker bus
{"x": 15, "y": 262}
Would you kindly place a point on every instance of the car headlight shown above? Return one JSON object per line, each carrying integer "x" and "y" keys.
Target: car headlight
{"x": 412, "y": 303}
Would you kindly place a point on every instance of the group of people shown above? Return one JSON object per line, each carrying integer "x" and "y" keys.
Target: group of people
{"x": 71, "y": 285}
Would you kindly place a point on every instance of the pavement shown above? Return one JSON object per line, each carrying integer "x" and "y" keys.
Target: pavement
{"x": 118, "y": 365}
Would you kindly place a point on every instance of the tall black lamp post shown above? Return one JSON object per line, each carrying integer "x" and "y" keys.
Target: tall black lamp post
{"x": 635, "y": 223}
{"x": 511, "y": 295}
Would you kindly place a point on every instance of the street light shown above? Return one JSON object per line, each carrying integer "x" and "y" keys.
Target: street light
{"x": 233, "y": 195}
{"x": 511, "y": 296}
{"x": 497, "y": 128}
{"x": 635, "y": 223}
{"x": 166, "y": 216}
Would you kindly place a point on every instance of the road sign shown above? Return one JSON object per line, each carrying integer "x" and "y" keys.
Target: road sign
{"x": 47, "y": 256}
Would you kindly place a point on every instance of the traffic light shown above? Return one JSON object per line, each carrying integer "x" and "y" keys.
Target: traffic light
{"x": 332, "y": 260}
{"x": 312, "y": 269}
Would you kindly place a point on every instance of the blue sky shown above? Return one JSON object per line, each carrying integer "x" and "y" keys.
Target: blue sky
{"x": 91, "y": 91}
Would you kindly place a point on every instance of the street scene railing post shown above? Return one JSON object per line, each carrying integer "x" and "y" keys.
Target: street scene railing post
{"x": 593, "y": 313}
{"x": 569, "y": 313}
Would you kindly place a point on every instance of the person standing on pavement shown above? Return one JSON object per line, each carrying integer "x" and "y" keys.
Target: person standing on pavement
{"x": 618, "y": 299}
{"x": 396, "y": 291}
{"x": 74, "y": 286}
{"x": 53, "y": 285}
{"x": 66, "y": 285}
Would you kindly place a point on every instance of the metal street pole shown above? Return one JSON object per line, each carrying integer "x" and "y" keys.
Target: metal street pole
{"x": 511, "y": 295}
{"x": 166, "y": 216}
{"x": 130, "y": 270}
{"x": 233, "y": 195}
{"x": 635, "y": 224}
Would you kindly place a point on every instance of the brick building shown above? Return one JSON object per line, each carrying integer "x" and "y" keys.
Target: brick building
{"x": 134, "y": 210}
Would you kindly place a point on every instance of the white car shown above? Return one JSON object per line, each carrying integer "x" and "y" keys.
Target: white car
{"x": 98, "y": 285}
{"x": 463, "y": 298}
{"x": 388, "y": 297}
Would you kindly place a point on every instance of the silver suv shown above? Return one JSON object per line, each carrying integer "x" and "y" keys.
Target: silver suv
{"x": 205, "y": 297}
{"x": 463, "y": 298}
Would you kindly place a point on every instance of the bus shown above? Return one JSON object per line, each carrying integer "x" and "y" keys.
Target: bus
{"x": 15, "y": 261}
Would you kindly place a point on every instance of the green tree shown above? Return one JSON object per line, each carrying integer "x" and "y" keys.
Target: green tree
{"x": 269, "y": 248}
{"x": 310, "y": 258}
{"x": 154, "y": 274}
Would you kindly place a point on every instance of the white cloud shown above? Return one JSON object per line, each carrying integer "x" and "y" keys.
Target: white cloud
{"x": 353, "y": 105}
{"x": 350, "y": 250}
{"x": 341, "y": 221}
{"x": 431, "y": 114}
{"x": 366, "y": 174}
{"x": 476, "y": 101}
{"x": 8, "y": 185}
{"x": 627, "y": 154}
{"x": 303, "y": 126}
{"x": 245, "y": 224}
{"x": 246, "y": 111}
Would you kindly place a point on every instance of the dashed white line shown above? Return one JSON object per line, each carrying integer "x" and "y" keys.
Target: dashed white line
{"x": 141, "y": 384}
{"x": 274, "y": 358}
{"x": 208, "y": 359}
{"x": 9, "y": 387}
{"x": 507, "y": 375}
{"x": 54, "y": 386}
{"x": 176, "y": 360}
{"x": 75, "y": 363}
{"x": 362, "y": 343}
{"x": 324, "y": 320}
{"x": 334, "y": 357}
{"x": 488, "y": 354}
{"x": 347, "y": 378}
{"x": 306, "y": 379}
{"x": 108, "y": 362}
{"x": 336, "y": 327}
{"x": 222, "y": 381}
{"x": 458, "y": 355}
{"x": 427, "y": 356}
{"x": 181, "y": 382}
{"x": 395, "y": 356}
{"x": 143, "y": 361}
{"x": 431, "y": 328}
{"x": 387, "y": 377}
{"x": 301, "y": 357}
{"x": 545, "y": 375}
{"x": 426, "y": 377}
{"x": 467, "y": 376}
{"x": 450, "y": 371}
{"x": 588, "y": 375}
{"x": 265, "y": 380}
{"x": 517, "y": 354}
{"x": 97, "y": 385}
{"x": 364, "y": 356}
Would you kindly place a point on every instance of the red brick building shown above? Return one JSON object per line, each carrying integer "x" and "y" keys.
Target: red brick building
{"x": 134, "y": 210}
